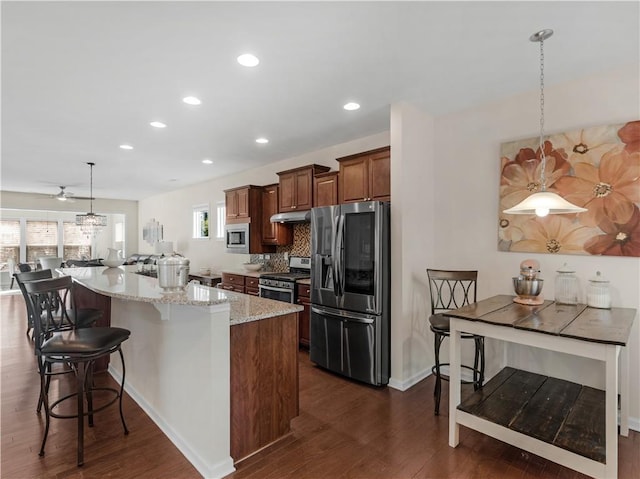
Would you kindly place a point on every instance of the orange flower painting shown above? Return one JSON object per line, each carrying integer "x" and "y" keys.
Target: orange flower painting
{"x": 597, "y": 168}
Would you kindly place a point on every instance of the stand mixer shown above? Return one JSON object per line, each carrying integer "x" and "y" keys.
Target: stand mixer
{"x": 528, "y": 285}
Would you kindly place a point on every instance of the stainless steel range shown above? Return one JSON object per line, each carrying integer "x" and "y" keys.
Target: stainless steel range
{"x": 282, "y": 286}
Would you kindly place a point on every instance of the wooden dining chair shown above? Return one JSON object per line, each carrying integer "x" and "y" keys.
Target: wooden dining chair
{"x": 452, "y": 290}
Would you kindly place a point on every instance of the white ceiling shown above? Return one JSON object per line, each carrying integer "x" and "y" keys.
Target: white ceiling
{"x": 81, "y": 78}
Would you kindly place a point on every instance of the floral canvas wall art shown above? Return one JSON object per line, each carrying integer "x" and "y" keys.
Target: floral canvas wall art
{"x": 597, "y": 168}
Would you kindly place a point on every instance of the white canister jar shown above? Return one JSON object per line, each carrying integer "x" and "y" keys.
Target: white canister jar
{"x": 598, "y": 292}
{"x": 567, "y": 286}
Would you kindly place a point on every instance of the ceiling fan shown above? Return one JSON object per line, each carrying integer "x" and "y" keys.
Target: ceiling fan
{"x": 64, "y": 195}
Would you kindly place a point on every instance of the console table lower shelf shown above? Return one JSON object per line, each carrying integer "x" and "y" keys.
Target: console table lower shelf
{"x": 556, "y": 419}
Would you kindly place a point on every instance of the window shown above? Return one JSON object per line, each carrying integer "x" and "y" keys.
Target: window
{"x": 118, "y": 232}
{"x": 26, "y": 235}
{"x": 42, "y": 239}
{"x": 221, "y": 212}
{"x": 76, "y": 245}
{"x": 201, "y": 221}
{"x": 9, "y": 240}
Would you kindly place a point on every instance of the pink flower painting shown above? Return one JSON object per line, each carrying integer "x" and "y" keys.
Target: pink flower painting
{"x": 597, "y": 168}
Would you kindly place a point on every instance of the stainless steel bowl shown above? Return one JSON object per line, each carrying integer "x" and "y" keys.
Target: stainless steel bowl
{"x": 527, "y": 287}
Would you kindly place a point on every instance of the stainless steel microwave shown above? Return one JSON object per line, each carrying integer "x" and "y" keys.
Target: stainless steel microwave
{"x": 237, "y": 238}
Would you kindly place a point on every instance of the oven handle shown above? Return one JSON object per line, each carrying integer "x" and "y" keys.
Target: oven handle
{"x": 273, "y": 288}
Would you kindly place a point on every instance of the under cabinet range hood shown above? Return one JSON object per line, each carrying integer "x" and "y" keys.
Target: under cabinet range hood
{"x": 292, "y": 217}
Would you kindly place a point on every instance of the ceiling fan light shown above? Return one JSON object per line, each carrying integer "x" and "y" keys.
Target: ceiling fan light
{"x": 544, "y": 203}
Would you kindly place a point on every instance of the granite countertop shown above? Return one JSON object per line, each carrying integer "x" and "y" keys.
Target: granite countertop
{"x": 304, "y": 281}
{"x": 246, "y": 308}
{"x": 124, "y": 283}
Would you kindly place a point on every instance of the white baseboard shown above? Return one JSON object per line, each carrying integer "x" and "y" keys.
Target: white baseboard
{"x": 208, "y": 471}
{"x": 412, "y": 381}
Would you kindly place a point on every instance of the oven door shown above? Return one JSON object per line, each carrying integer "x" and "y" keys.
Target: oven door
{"x": 279, "y": 294}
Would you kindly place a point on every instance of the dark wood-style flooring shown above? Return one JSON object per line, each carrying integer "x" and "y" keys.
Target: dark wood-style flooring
{"x": 345, "y": 430}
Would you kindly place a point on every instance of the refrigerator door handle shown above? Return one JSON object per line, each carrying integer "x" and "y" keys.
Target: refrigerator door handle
{"x": 345, "y": 316}
{"x": 340, "y": 255}
{"x": 334, "y": 257}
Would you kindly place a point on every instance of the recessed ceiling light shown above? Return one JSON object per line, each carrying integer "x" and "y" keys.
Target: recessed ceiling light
{"x": 191, "y": 100}
{"x": 248, "y": 60}
{"x": 351, "y": 106}
{"x": 126, "y": 147}
{"x": 158, "y": 124}
{"x": 262, "y": 140}
{"x": 207, "y": 161}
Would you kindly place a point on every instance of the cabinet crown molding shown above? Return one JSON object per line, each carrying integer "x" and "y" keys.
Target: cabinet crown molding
{"x": 315, "y": 169}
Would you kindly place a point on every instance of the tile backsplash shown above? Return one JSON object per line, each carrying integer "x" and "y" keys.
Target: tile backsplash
{"x": 301, "y": 247}
{"x": 301, "y": 240}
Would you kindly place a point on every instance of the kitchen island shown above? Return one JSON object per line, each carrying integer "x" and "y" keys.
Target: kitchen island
{"x": 215, "y": 370}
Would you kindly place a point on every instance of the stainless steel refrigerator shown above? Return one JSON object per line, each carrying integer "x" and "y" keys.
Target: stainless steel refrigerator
{"x": 350, "y": 290}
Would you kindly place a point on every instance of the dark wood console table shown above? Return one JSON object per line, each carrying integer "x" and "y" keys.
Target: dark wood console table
{"x": 562, "y": 421}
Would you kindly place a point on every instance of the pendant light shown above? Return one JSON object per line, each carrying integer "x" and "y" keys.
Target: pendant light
{"x": 543, "y": 202}
{"x": 91, "y": 223}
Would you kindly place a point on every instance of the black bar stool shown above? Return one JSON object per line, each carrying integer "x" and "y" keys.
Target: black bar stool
{"x": 77, "y": 347}
{"x": 84, "y": 318}
{"x": 452, "y": 290}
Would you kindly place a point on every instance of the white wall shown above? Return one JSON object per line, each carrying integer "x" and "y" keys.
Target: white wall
{"x": 173, "y": 210}
{"x": 467, "y": 172}
{"x": 412, "y": 242}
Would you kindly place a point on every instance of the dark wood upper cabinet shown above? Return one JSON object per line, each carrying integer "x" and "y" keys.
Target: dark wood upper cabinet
{"x": 365, "y": 176}
{"x": 237, "y": 204}
{"x": 231, "y": 205}
{"x": 325, "y": 189}
{"x": 296, "y": 188}
{"x": 244, "y": 205}
{"x": 273, "y": 233}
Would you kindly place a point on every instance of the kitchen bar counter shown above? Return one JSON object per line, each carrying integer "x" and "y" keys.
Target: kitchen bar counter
{"x": 217, "y": 371}
{"x": 125, "y": 283}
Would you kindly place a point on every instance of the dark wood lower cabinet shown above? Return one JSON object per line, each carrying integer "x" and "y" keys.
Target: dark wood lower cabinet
{"x": 264, "y": 382}
{"x": 251, "y": 286}
{"x": 85, "y": 298}
{"x": 304, "y": 300}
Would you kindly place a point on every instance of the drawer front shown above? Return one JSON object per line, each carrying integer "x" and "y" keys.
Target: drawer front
{"x": 251, "y": 282}
{"x": 304, "y": 290}
{"x": 235, "y": 279}
{"x": 252, "y": 291}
